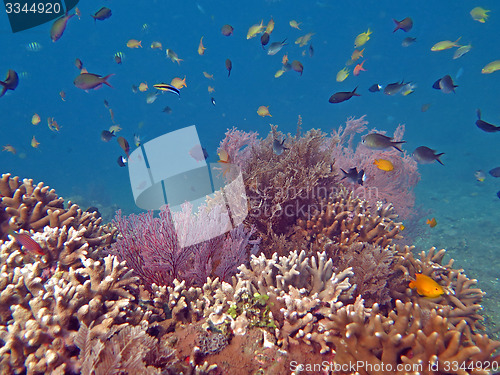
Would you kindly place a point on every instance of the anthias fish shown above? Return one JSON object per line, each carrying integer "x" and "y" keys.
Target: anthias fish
{"x": 58, "y": 27}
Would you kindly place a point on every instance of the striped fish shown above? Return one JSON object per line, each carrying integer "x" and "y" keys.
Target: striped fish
{"x": 168, "y": 88}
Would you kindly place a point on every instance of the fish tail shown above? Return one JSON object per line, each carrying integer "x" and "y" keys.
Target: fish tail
{"x": 478, "y": 113}
{"x": 106, "y": 78}
{"x": 354, "y": 92}
{"x": 397, "y": 26}
{"x": 397, "y": 144}
{"x": 438, "y": 156}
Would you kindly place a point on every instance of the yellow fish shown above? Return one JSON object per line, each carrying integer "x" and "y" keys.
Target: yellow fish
{"x": 303, "y": 40}
{"x": 362, "y": 38}
{"x": 384, "y": 165}
{"x": 491, "y": 67}
{"x": 34, "y": 142}
{"x": 201, "y": 48}
{"x": 279, "y": 73}
{"x": 210, "y": 89}
{"x": 445, "y": 44}
{"x": 209, "y": 76}
{"x": 255, "y": 29}
{"x": 295, "y": 24}
{"x": 342, "y": 75}
{"x": 114, "y": 128}
{"x": 173, "y": 56}
{"x": 134, "y": 43}
{"x": 270, "y": 26}
{"x": 263, "y": 111}
{"x": 479, "y": 14}
{"x": 178, "y": 83}
{"x": 143, "y": 87}
{"x": 35, "y": 120}
{"x": 426, "y": 286}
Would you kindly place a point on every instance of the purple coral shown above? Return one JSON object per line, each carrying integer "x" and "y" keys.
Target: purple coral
{"x": 181, "y": 245}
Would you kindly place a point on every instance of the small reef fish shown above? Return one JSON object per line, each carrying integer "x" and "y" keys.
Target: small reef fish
{"x": 479, "y": 14}
{"x": 375, "y": 87}
{"x": 29, "y": 243}
{"x": 263, "y": 111}
{"x": 168, "y": 88}
{"x": 408, "y": 41}
{"x": 52, "y": 124}
{"x": 10, "y": 82}
{"x": 462, "y": 51}
{"x": 137, "y": 140}
{"x": 229, "y": 67}
{"x": 485, "y": 126}
{"x": 33, "y": 47}
{"x": 270, "y": 26}
{"x": 297, "y": 66}
{"x": 167, "y": 110}
{"x": 480, "y": 175}
{"x": 431, "y": 222}
{"x": 198, "y": 153}
{"x": 201, "y": 47}
{"x": 209, "y": 76}
{"x": 362, "y": 38}
{"x": 264, "y": 39}
{"x": 212, "y": 100}
{"x": 378, "y": 141}
{"x": 278, "y": 146}
{"x": 58, "y": 27}
{"x": 342, "y": 96}
{"x": 404, "y": 25}
{"x": 303, "y": 40}
{"x": 394, "y": 88}
{"x": 9, "y": 148}
{"x": 275, "y": 47}
{"x": 445, "y": 84}
{"x": 151, "y": 97}
{"x": 156, "y": 45}
{"x": 426, "y": 286}
{"x": 357, "y": 54}
{"x": 62, "y": 94}
{"x": 78, "y": 63}
{"x": 445, "y": 44}
{"x": 102, "y": 14}
{"x": 342, "y": 75}
{"x": 295, "y": 24}
{"x": 107, "y": 135}
{"x": 495, "y": 172}
{"x": 134, "y": 43}
{"x": 89, "y": 81}
{"x": 34, "y": 142}
{"x": 210, "y": 89}
{"x": 143, "y": 87}
{"x": 35, "y": 120}
{"x": 279, "y": 73}
{"x": 227, "y": 30}
{"x": 225, "y": 160}
{"x": 358, "y": 69}
{"x": 119, "y": 56}
{"x": 124, "y": 145}
{"x": 384, "y": 165}
{"x": 254, "y": 30}
{"x": 122, "y": 161}
{"x": 426, "y": 155}
{"x": 178, "y": 83}
{"x": 491, "y": 67}
{"x": 354, "y": 176}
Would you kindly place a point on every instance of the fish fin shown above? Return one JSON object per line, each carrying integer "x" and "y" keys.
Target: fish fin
{"x": 353, "y": 92}
{"x": 438, "y": 156}
{"x": 478, "y": 113}
{"x": 396, "y": 145}
{"x": 4, "y": 88}
{"x": 106, "y": 78}
{"x": 397, "y": 26}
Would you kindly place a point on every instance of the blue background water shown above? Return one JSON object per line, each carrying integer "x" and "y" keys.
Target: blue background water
{"x": 80, "y": 166}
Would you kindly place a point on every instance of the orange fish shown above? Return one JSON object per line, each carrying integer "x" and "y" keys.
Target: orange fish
{"x": 10, "y": 149}
{"x": 201, "y": 48}
{"x": 178, "y": 83}
{"x": 357, "y": 54}
{"x": 426, "y": 286}
{"x": 134, "y": 43}
{"x": 143, "y": 87}
{"x": 210, "y": 89}
{"x": 432, "y": 222}
{"x": 35, "y": 120}
{"x": 358, "y": 68}
{"x": 225, "y": 160}
{"x": 384, "y": 165}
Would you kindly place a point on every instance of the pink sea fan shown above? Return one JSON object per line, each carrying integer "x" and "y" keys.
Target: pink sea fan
{"x": 395, "y": 186}
{"x": 181, "y": 245}
{"x": 237, "y": 144}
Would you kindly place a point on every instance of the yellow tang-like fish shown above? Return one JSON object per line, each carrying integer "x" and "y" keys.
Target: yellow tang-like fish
{"x": 426, "y": 286}
{"x": 479, "y": 14}
{"x": 255, "y": 29}
{"x": 342, "y": 75}
{"x": 263, "y": 111}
